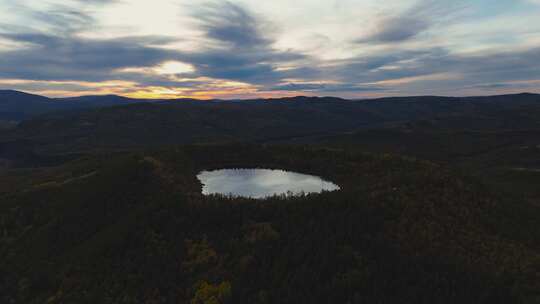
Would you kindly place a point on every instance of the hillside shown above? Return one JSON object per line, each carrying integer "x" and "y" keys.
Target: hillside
{"x": 494, "y": 138}
{"x": 18, "y": 106}
{"x": 179, "y": 122}
{"x": 134, "y": 228}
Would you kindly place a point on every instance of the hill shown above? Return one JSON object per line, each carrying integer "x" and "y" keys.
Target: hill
{"x": 181, "y": 121}
{"x": 135, "y": 228}
{"x": 18, "y": 106}
{"x": 494, "y": 137}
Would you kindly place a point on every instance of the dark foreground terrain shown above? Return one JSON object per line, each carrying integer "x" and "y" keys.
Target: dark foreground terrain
{"x": 439, "y": 204}
{"x": 135, "y": 228}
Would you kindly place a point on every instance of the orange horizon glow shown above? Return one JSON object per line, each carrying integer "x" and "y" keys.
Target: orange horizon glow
{"x": 226, "y": 90}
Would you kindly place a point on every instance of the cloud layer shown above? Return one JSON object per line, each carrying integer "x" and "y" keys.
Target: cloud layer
{"x": 228, "y": 49}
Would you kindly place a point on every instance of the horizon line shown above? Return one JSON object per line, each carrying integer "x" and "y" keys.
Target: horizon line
{"x": 262, "y": 98}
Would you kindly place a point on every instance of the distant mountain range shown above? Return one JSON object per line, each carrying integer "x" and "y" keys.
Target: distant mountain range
{"x": 112, "y": 122}
{"x": 18, "y": 106}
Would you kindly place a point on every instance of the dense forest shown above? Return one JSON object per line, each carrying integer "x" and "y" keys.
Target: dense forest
{"x": 439, "y": 201}
{"x": 133, "y": 227}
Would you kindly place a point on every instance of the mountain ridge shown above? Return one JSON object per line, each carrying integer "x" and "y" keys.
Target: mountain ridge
{"x": 20, "y": 106}
{"x": 4, "y": 92}
{"x": 144, "y": 124}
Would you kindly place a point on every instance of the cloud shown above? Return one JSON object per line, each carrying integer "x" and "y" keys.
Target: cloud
{"x": 407, "y": 25}
{"x": 62, "y": 19}
{"x": 236, "y": 54}
{"x": 241, "y": 50}
{"x": 52, "y": 48}
{"x": 97, "y": 1}
{"x": 74, "y": 58}
{"x": 58, "y": 19}
{"x": 397, "y": 29}
{"x": 229, "y": 23}
{"x": 326, "y": 87}
{"x": 429, "y": 70}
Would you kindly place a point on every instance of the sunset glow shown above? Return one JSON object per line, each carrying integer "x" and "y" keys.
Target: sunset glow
{"x": 246, "y": 48}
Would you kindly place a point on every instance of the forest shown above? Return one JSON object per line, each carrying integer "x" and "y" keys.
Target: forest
{"x": 133, "y": 227}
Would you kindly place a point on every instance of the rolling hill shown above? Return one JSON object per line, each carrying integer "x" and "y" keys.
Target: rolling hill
{"x": 146, "y": 124}
{"x": 18, "y": 106}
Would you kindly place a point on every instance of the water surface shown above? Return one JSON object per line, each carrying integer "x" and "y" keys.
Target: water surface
{"x": 261, "y": 183}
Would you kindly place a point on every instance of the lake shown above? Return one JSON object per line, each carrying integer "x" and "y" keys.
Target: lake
{"x": 261, "y": 183}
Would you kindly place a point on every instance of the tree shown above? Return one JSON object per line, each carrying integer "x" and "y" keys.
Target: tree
{"x": 206, "y": 293}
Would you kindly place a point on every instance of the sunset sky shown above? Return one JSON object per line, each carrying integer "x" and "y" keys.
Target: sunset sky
{"x": 253, "y": 48}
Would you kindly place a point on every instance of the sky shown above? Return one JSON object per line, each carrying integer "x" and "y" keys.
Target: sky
{"x": 258, "y": 49}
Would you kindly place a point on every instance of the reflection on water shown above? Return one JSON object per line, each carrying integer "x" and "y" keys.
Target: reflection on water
{"x": 260, "y": 183}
